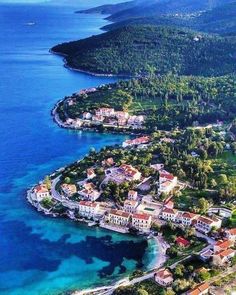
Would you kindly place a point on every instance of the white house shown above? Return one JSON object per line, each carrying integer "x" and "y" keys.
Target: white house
{"x": 222, "y": 257}
{"x": 163, "y": 277}
{"x": 87, "y": 116}
{"x": 141, "y": 221}
{"x": 69, "y": 189}
{"x": 167, "y": 182}
{"x": 41, "y": 191}
{"x": 169, "y": 214}
{"x": 88, "y": 209}
{"x": 130, "y": 206}
{"x": 205, "y": 224}
{"x": 130, "y": 172}
{"x": 231, "y": 234}
{"x": 105, "y": 112}
{"x": 119, "y": 217}
{"x": 133, "y": 195}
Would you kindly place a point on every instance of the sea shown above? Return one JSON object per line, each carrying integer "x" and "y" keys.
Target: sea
{"x": 39, "y": 254}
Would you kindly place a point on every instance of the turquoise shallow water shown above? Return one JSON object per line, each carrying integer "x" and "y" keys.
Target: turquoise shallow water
{"x": 41, "y": 255}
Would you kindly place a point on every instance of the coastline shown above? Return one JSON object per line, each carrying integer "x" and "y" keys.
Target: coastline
{"x": 67, "y": 66}
{"x": 113, "y": 129}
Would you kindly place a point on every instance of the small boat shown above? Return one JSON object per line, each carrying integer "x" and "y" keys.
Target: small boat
{"x": 30, "y": 23}
{"x": 92, "y": 223}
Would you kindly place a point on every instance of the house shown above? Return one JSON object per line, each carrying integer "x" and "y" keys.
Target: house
{"x": 130, "y": 172}
{"x": 105, "y": 112}
{"x": 163, "y": 277}
{"x": 222, "y": 245}
{"x": 188, "y": 218}
{"x": 87, "y": 116}
{"x": 136, "y": 120}
{"x": 89, "y": 192}
{"x": 88, "y": 90}
{"x": 91, "y": 173}
{"x": 167, "y": 182}
{"x": 121, "y": 115}
{"x": 69, "y": 189}
{"x": 205, "y": 224}
{"x": 119, "y": 217}
{"x": 121, "y": 122}
{"x": 40, "y": 192}
{"x": 98, "y": 118}
{"x": 206, "y": 255}
{"x": 108, "y": 162}
{"x": 169, "y": 214}
{"x": 182, "y": 242}
{"x": 222, "y": 257}
{"x": 132, "y": 195}
{"x": 136, "y": 141}
{"x": 167, "y": 140}
{"x": 169, "y": 204}
{"x": 200, "y": 289}
{"x": 130, "y": 206}
{"x": 141, "y": 221}
{"x": 157, "y": 167}
{"x": 88, "y": 209}
{"x": 231, "y": 234}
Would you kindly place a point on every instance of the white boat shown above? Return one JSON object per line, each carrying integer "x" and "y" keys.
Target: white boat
{"x": 92, "y": 223}
{"x": 30, "y": 23}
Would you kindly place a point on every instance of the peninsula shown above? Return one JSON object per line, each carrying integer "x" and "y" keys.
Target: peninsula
{"x": 174, "y": 179}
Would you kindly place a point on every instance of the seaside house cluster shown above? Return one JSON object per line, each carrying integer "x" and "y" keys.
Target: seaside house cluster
{"x": 203, "y": 224}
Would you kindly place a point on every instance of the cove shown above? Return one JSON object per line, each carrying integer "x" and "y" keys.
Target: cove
{"x": 41, "y": 255}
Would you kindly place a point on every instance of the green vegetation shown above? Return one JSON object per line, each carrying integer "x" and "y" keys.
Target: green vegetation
{"x": 132, "y": 50}
{"x": 167, "y": 101}
{"x": 220, "y": 20}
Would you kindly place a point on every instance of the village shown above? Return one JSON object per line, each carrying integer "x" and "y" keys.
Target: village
{"x": 142, "y": 213}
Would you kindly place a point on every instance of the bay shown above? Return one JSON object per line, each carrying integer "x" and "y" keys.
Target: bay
{"x": 41, "y": 255}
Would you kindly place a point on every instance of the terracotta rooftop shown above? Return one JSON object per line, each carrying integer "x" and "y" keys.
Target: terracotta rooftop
{"x": 163, "y": 273}
{"x": 199, "y": 289}
{"x": 88, "y": 204}
{"x": 119, "y": 213}
{"x": 224, "y": 244}
{"x": 141, "y": 216}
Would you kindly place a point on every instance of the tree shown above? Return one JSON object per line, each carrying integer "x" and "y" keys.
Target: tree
{"x": 142, "y": 292}
{"x": 67, "y": 180}
{"x": 47, "y": 182}
{"x": 203, "y": 205}
{"x": 223, "y": 179}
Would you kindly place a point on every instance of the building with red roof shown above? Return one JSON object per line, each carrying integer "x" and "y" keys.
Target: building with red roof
{"x": 141, "y": 221}
{"x": 119, "y": 217}
{"x": 231, "y": 234}
{"x": 182, "y": 242}
{"x": 163, "y": 277}
{"x": 200, "y": 289}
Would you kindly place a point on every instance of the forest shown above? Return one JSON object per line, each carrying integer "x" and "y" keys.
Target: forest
{"x": 132, "y": 50}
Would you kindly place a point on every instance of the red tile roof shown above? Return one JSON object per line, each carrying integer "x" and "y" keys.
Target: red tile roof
{"x": 182, "y": 241}
{"x": 199, "y": 289}
{"x": 163, "y": 274}
{"x": 232, "y": 231}
{"x": 142, "y": 216}
{"x": 169, "y": 210}
{"x": 88, "y": 204}
{"x": 224, "y": 244}
{"x": 119, "y": 213}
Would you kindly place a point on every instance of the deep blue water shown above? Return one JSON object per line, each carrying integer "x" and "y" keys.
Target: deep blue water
{"x": 40, "y": 255}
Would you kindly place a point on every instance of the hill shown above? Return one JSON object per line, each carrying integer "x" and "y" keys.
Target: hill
{"x": 220, "y": 20}
{"x": 110, "y": 8}
{"x": 135, "y": 49}
{"x": 150, "y": 9}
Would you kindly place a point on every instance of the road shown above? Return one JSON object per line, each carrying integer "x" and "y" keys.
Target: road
{"x": 58, "y": 197}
